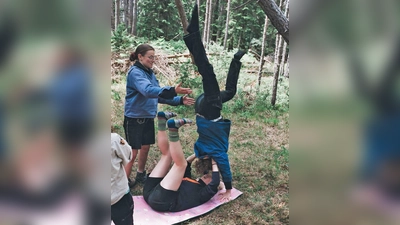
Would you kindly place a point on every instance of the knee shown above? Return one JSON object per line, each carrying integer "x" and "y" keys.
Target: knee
{"x": 230, "y": 94}
{"x": 181, "y": 164}
{"x": 145, "y": 148}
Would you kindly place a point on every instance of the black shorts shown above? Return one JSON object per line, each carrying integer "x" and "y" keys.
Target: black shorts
{"x": 139, "y": 131}
{"x": 159, "y": 198}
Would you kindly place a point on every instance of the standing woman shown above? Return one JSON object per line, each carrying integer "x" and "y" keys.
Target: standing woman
{"x": 143, "y": 93}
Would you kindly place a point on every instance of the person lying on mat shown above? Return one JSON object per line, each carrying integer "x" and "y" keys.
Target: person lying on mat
{"x": 172, "y": 190}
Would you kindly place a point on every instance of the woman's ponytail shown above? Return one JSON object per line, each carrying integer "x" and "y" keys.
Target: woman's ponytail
{"x": 133, "y": 57}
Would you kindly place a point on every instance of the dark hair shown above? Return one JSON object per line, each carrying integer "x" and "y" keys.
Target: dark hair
{"x": 202, "y": 166}
{"x": 141, "y": 49}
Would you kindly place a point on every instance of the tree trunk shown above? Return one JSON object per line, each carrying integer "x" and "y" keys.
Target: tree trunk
{"x": 126, "y": 13}
{"x": 239, "y": 41}
{"x": 227, "y": 23}
{"x": 182, "y": 15}
{"x": 278, "y": 58}
{"x": 112, "y": 16}
{"x": 134, "y": 17}
{"x": 117, "y": 13}
{"x": 209, "y": 21}
{"x": 277, "y": 18}
{"x": 284, "y": 58}
{"x": 131, "y": 2}
{"x": 206, "y": 23}
{"x": 282, "y": 69}
{"x": 286, "y": 74}
{"x": 262, "y": 51}
{"x": 220, "y": 22}
{"x": 213, "y": 20}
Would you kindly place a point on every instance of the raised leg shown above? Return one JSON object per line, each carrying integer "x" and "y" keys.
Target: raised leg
{"x": 173, "y": 179}
{"x": 232, "y": 78}
{"x": 162, "y": 167}
{"x": 210, "y": 83}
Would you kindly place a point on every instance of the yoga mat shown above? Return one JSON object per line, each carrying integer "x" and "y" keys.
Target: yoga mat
{"x": 144, "y": 215}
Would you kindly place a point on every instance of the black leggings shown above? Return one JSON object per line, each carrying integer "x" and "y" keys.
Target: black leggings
{"x": 211, "y": 104}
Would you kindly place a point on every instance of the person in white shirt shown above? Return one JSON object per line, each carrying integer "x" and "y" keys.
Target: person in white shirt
{"x": 121, "y": 199}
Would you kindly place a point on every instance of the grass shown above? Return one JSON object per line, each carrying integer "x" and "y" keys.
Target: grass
{"x": 258, "y": 152}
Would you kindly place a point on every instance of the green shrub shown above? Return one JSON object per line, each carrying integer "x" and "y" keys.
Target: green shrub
{"x": 121, "y": 40}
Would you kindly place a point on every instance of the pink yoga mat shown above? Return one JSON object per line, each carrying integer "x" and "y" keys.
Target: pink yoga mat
{"x": 144, "y": 215}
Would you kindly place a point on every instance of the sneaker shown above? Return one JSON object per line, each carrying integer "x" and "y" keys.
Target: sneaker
{"x": 131, "y": 183}
{"x": 141, "y": 177}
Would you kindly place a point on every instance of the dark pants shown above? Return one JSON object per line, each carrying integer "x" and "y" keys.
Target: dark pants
{"x": 211, "y": 104}
{"x": 122, "y": 211}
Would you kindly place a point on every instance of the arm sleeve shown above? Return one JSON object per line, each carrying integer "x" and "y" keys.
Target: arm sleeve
{"x": 140, "y": 82}
{"x": 211, "y": 189}
{"x": 122, "y": 149}
{"x": 224, "y": 167}
{"x": 168, "y": 93}
{"x": 174, "y": 102}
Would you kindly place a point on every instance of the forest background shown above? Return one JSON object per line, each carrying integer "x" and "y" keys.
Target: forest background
{"x": 259, "y": 140}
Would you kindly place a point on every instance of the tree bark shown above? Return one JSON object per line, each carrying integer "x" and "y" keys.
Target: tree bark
{"x": 277, "y": 18}
{"x": 286, "y": 74}
{"x": 213, "y": 20}
{"x": 227, "y": 23}
{"x": 221, "y": 22}
{"x": 134, "y": 17}
{"x": 117, "y": 13}
{"x": 262, "y": 50}
{"x": 131, "y": 2}
{"x": 182, "y": 15}
{"x": 278, "y": 58}
{"x": 207, "y": 20}
{"x": 126, "y": 13}
{"x": 282, "y": 69}
{"x": 112, "y": 15}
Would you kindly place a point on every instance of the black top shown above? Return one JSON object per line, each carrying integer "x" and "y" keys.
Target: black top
{"x": 193, "y": 193}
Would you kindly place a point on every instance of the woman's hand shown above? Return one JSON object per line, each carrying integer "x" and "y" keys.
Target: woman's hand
{"x": 181, "y": 90}
{"x": 187, "y": 100}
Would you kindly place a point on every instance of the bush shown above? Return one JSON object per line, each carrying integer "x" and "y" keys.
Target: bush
{"x": 121, "y": 40}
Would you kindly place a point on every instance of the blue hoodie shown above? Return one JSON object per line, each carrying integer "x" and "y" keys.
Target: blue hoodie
{"x": 143, "y": 93}
{"x": 213, "y": 141}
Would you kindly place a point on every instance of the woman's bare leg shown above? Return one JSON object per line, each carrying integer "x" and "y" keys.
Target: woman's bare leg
{"x": 173, "y": 179}
{"x": 162, "y": 167}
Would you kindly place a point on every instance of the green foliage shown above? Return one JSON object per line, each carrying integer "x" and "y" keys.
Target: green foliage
{"x": 115, "y": 95}
{"x": 158, "y": 19}
{"x": 120, "y": 40}
{"x": 170, "y": 47}
{"x": 246, "y": 23}
{"x": 256, "y": 43}
{"x": 281, "y": 159}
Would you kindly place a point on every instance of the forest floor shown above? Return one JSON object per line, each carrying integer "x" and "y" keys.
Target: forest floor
{"x": 259, "y": 143}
